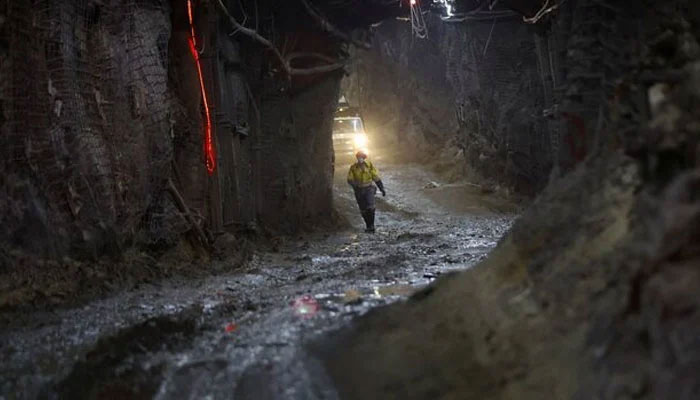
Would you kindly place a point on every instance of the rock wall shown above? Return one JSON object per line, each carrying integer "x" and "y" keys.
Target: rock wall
{"x": 85, "y": 135}
{"x": 471, "y": 86}
{"x": 593, "y": 294}
{"x": 522, "y": 102}
{"x": 101, "y": 108}
{"x": 297, "y": 177}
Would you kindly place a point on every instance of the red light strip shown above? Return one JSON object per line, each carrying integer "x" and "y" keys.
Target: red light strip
{"x": 209, "y": 153}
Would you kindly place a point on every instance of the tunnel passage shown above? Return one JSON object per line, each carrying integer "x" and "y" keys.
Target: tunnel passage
{"x": 127, "y": 161}
{"x": 587, "y": 104}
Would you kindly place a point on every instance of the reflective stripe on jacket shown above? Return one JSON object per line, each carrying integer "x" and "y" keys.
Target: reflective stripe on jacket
{"x": 362, "y": 175}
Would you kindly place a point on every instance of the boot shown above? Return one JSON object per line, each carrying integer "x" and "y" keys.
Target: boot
{"x": 365, "y": 216}
{"x": 370, "y": 223}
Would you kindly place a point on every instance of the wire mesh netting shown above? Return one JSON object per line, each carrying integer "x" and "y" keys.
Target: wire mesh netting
{"x": 486, "y": 73}
{"x": 86, "y": 142}
{"x": 501, "y": 88}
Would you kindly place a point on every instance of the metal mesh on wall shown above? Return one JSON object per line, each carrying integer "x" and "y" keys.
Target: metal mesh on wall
{"x": 598, "y": 44}
{"x": 86, "y": 132}
{"x": 485, "y": 74}
{"x": 500, "y": 99}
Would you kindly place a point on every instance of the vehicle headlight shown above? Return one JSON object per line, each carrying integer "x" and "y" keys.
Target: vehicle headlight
{"x": 360, "y": 141}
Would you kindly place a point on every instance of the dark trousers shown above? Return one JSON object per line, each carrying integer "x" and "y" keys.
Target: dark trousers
{"x": 365, "y": 200}
{"x": 365, "y": 197}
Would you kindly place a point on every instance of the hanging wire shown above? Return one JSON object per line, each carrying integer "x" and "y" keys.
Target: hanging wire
{"x": 486, "y": 47}
{"x": 418, "y": 25}
{"x": 546, "y": 9}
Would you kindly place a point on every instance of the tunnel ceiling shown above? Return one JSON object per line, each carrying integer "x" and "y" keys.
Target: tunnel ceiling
{"x": 351, "y": 14}
{"x": 345, "y": 20}
{"x": 527, "y": 8}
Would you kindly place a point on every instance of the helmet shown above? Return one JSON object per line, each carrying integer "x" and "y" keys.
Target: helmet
{"x": 360, "y": 154}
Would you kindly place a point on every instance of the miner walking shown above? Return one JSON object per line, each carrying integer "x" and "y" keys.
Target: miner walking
{"x": 362, "y": 177}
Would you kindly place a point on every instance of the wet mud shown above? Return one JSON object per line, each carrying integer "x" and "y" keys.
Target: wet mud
{"x": 242, "y": 335}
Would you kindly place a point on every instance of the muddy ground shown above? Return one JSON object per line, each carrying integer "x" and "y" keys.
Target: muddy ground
{"x": 241, "y": 335}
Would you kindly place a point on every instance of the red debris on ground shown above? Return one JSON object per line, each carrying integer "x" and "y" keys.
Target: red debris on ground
{"x": 305, "y": 306}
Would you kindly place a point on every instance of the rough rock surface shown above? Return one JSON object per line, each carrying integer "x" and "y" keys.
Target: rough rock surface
{"x": 102, "y": 107}
{"x": 593, "y": 294}
{"x": 471, "y": 88}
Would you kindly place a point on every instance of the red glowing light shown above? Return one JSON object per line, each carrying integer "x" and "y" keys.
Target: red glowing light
{"x": 189, "y": 15}
{"x": 413, "y": 2}
{"x": 209, "y": 154}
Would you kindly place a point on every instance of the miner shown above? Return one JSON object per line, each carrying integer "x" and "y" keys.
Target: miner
{"x": 363, "y": 177}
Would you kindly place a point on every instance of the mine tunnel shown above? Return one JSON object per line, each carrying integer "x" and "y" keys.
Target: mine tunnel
{"x": 350, "y": 199}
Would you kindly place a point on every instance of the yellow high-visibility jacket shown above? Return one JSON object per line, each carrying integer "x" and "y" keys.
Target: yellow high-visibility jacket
{"x": 362, "y": 175}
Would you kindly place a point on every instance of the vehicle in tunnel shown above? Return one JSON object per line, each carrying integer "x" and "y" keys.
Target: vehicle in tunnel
{"x": 349, "y": 134}
{"x": 349, "y": 137}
